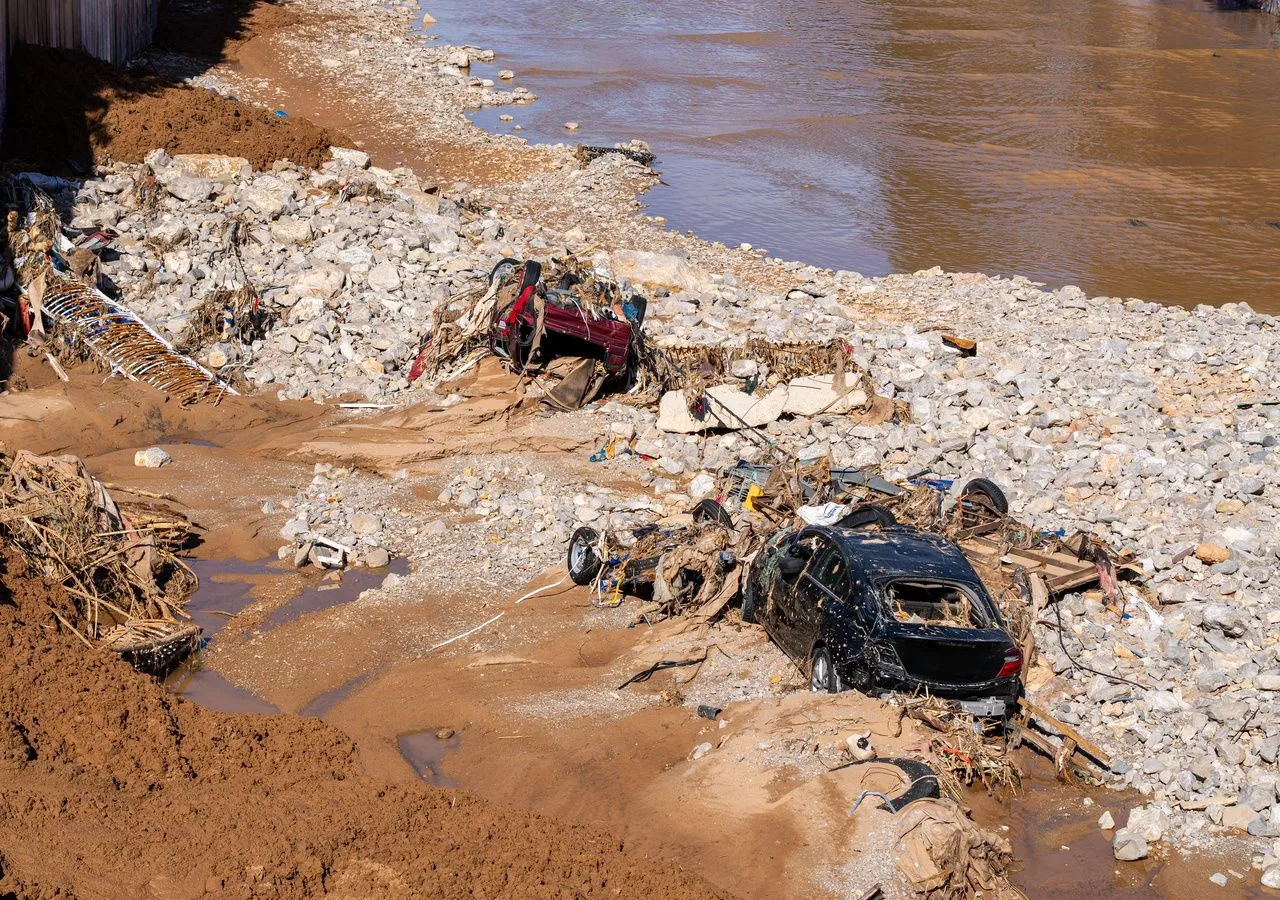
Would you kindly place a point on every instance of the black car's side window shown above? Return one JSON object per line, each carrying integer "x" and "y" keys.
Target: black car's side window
{"x": 832, "y": 572}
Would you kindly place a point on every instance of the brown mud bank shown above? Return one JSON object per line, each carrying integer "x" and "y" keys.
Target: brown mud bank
{"x": 68, "y": 111}
{"x": 113, "y": 787}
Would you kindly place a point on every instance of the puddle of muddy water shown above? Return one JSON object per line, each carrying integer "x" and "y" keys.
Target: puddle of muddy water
{"x": 426, "y": 752}
{"x": 1062, "y": 853}
{"x": 191, "y": 442}
{"x": 320, "y": 706}
{"x": 225, "y": 590}
{"x": 330, "y": 594}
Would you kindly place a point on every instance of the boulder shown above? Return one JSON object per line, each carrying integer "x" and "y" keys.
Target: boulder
{"x": 322, "y": 281}
{"x": 1148, "y": 821}
{"x": 727, "y": 408}
{"x": 664, "y": 270}
{"x": 213, "y": 166}
{"x": 291, "y": 231}
{"x": 1128, "y": 846}
{"x": 357, "y": 158}
{"x": 189, "y": 189}
{"x": 384, "y": 277}
{"x": 152, "y": 458}
{"x": 810, "y": 395}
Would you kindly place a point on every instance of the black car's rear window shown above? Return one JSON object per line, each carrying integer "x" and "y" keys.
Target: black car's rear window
{"x": 935, "y": 603}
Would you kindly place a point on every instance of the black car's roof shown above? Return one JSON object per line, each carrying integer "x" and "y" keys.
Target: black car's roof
{"x": 900, "y": 551}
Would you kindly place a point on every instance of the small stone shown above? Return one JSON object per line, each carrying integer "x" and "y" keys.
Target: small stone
{"x": 151, "y": 458}
{"x": 701, "y": 750}
{"x": 1271, "y": 877}
{"x": 444, "y": 734}
{"x": 571, "y": 126}
{"x": 1212, "y": 553}
{"x": 1106, "y": 821}
{"x": 1219, "y": 879}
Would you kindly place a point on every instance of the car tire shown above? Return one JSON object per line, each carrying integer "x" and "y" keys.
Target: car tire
{"x": 504, "y": 267}
{"x": 749, "y": 601}
{"x": 871, "y": 514}
{"x": 711, "y": 511}
{"x": 822, "y": 672}
{"x": 584, "y": 564}
{"x": 991, "y": 491}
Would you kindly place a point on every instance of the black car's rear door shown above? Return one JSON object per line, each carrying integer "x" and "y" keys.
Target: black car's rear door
{"x": 821, "y": 592}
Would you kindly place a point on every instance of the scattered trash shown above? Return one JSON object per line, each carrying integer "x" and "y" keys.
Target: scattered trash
{"x": 941, "y": 853}
{"x": 86, "y": 322}
{"x": 964, "y": 345}
{"x": 859, "y": 746}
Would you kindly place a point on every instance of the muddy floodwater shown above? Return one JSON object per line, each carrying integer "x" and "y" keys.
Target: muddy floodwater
{"x": 1128, "y": 146}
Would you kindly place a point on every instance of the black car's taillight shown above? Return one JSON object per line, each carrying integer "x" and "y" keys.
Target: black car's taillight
{"x": 1012, "y": 663}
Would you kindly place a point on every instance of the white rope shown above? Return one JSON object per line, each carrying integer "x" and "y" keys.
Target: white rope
{"x": 488, "y": 622}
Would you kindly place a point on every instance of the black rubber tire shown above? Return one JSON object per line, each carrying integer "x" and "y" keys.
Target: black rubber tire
{"x": 989, "y": 489}
{"x": 711, "y": 511}
{"x": 749, "y": 601}
{"x": 869, "y": 514}
{"x": 831, "y": 683}
{"x": 586, "y": 568}
{"x": 505, "y": 261}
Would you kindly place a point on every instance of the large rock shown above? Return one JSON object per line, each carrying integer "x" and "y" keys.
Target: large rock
{"x": 357, "y": 158}
{"x": 1148, "y": 821}
{"x": 727, "y": 407}
{"x": 269, "y": 196}
{"x": 384, "y": 277}
{"x": 813, "y": 394}
{"x": 1128, "y": 846}
{"x": 322, "y": 281}
{"x": 189, "y": 189}
{"x": 664, "y": 270}
{"x": 213, "y": 166}
{"x": 291, "y": 231}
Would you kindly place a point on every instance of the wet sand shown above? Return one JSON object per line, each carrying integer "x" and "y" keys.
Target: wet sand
{"x": 1126, "y": 147}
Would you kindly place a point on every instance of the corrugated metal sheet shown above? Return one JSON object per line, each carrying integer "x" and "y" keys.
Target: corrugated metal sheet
{"x": 113, "y": 30}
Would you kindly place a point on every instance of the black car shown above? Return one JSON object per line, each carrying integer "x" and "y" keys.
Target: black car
{"x": 884, "y": 608}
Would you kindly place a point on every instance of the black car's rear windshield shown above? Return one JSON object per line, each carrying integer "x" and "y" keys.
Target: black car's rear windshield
{"x": 921, "y": 602}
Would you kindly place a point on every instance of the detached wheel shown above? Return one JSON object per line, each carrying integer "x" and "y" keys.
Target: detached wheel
{"x": 711, "y": 511}
{"x": 822, "y": 672}
{"x": 503, "y": 269}
{"x": 584, "y": 564}
{"x": 983, "y": 489}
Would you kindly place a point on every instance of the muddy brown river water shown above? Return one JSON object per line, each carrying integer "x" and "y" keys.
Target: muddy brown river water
{"x": 1128, "y": 146}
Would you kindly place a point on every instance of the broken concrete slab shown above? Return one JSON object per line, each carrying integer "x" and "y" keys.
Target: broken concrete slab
{"x": 811, "y": 395}
{"x": 727, "y": 408}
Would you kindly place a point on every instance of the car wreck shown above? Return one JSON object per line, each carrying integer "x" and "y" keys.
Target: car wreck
{"x": 884, "y": 608}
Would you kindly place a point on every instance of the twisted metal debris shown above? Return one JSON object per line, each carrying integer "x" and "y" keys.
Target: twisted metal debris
{"x": 90, "y": 320}
{"x": 116, "y": 336}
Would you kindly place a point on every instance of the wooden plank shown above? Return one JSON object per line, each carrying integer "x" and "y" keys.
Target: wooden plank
{"x": 1066, "y": 730}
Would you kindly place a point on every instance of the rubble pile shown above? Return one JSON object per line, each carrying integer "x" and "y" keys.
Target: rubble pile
{"x": 1151, "y": 426}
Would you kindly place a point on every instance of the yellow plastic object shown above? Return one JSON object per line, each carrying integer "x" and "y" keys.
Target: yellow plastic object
{"x": 752, "y": 493}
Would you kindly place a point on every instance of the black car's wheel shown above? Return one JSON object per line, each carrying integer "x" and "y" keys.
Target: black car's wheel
{"x": 986, "y": 490}
{"x": 584, "y": 564}
{"x": 870, "y": 514}
{"x": 711, "y": 511}
{"x": 822, "y": 672}
{"x": 749, "y": 600}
